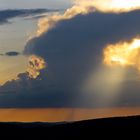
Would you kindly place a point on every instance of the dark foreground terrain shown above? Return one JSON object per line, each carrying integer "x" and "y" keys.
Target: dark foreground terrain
{"x": 88, "y": 128}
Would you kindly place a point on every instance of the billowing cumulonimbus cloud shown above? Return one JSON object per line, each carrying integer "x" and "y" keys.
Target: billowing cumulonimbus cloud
{"x": 80, "y": 7}
{"x": 87, "y": 6}
{"x": 73, "y": 48}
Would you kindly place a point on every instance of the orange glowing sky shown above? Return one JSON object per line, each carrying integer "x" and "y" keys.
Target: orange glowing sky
{"x": 59, "y": 115}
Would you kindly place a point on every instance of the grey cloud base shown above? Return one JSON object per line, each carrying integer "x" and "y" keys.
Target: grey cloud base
{"x": 72, "y": 50}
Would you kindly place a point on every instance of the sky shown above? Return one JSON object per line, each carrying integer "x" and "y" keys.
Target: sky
{"x": 62, "y": 57}
{"x": 55, "y": 4}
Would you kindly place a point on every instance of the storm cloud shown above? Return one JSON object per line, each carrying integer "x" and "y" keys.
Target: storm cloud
{"x": 72, "y": 50}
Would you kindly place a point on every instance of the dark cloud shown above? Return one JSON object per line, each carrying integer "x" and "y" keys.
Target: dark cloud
{"x": 72, "y": 50}
{"x": 75, "y": 46}
{"x": 6, "y": 15}
{"x": 12, "y": 53}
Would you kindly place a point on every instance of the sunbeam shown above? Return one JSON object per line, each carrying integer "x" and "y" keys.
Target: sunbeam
{"x": 105, "y": 83}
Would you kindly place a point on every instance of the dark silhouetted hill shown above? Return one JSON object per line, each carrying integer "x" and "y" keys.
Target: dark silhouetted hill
{"x": 72, "y": 130}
